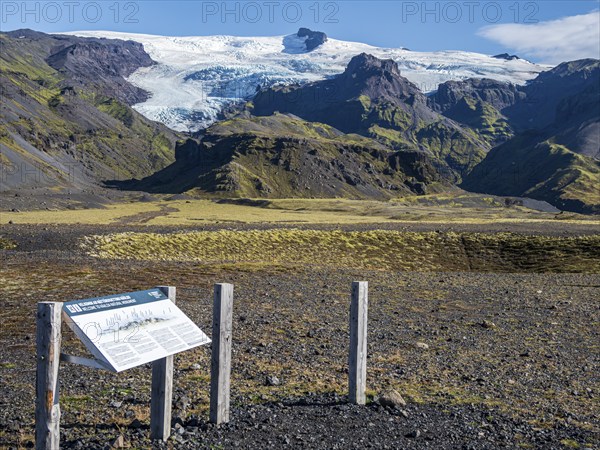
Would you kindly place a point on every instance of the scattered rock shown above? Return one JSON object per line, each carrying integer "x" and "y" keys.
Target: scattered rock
{"x": 272, "y": 380}
{"x": 413, "y": 434}
{"x": 391, "y": 398}
{"x": 178, "y": 438}
{"x": 422, "y": 345}
{"x": 488, "y": 324}
{"x": 118, "y": 442}
{"x": 193, "y": 422}
{"x": 182, "y": 403}
{"x": 115, "y": 404}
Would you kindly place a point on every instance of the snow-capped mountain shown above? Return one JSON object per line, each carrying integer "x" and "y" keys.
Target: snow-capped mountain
{"x": 195, "y": 77}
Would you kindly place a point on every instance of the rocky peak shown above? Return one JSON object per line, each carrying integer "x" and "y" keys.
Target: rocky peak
{"x": 26, "y": 33}
{"x": 378, "y": 79}
{"x": 106, "y": 61}
{"x": 544, "y": 94}
{"x": 581, "y": 69}
{"x": 506, "y": 56}
{"x": 111, "y": 57}
{"x": 369, "y": 65}
{"x": 497, "y": 93}
{"x": 313, "y": 38}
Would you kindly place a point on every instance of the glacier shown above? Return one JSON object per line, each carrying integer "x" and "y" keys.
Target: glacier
{"x": 197, "y": 76}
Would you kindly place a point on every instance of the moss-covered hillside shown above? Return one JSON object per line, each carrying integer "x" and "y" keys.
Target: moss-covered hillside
{"x": 541, "y": 169}
{"x": 373, "y": 99}
{"x": 282, "y": 156}
{"x": 59, "y": 130}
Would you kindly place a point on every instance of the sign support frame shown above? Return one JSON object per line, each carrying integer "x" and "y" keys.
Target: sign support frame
{"x": 161, "y": 398}
{"x": 47, "y": 406}
{"x": 357, "y": 357}
{"x": 49, "y": 320}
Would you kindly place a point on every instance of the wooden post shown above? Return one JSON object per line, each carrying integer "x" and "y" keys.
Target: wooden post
{"x": 221, "y": 353}
{"x": 357, "y": 359}
{"x": 47, "y": 408}
{"x": 162, "y": 388}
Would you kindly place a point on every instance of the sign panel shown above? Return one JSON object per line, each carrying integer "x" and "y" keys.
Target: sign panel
{"x": 128, "y": 330}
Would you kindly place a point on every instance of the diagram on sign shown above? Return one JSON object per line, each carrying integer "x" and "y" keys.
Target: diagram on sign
{"x": 128, "y": 330}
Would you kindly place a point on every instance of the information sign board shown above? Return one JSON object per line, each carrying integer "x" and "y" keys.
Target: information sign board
{"x": 127, "y": 330}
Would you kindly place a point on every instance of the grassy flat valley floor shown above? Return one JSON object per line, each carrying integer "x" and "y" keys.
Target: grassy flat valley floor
{"x": 157, "y": 210}
{"x": 505, "y": 300}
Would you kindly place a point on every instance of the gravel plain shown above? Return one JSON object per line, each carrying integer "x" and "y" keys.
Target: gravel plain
{"x": 510, "y": 360}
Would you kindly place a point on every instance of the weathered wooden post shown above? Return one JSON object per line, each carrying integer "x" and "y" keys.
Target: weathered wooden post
{"x": 162, "y": 388}
{"x": 221, "y": 353}
{"x": 47, "y": 408}
{"x": 357, "y": 359}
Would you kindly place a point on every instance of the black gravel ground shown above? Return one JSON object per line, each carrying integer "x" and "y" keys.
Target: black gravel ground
{"x": 512, "y": 359}
{"x": 329, "y": 422}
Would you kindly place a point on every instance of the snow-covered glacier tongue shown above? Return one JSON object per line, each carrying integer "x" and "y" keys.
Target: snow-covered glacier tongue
{"x": 195, "y": 77}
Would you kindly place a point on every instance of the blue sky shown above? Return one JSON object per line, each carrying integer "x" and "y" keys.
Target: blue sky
{"x": 482, "y": 26}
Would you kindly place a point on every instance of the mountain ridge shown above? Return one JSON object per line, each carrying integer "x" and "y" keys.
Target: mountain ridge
{"x": 367, "y": 131}
{"x": 65, "y": 120}
{"x": 555, "y": 154}
{"x": 195, "y": 78}
{"x": 281, "y": 156}
{"x": 373, "y": 99}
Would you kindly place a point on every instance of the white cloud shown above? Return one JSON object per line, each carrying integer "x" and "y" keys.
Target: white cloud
{"x": 552, "y": 42}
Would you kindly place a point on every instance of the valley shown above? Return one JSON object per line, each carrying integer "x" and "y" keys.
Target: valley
{"x": 365, "y": 132}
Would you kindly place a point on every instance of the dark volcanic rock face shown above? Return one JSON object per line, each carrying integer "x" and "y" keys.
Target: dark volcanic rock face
{"x": 313, "y": 38}
{"x": 497, "y": 93}
{"x": 544, "y": 94}
{"x": 372, "y": 98}
{"x": 67, "y": 112}
{"x": 377, "y": 78}
{"x": 107, "y": 62}
{"x": 506, "y": 56}
{"x": 101, "y": 64}
{"x": 336, "y": 101}
{"x": 112, "y": 57}
{"x": 282, "y": 156}
{"x": 533, "y": 106}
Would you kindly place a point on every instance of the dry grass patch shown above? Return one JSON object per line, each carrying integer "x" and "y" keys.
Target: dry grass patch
{"x": 376, "y": 249}
{"x": 439, "y": 208}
